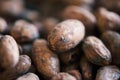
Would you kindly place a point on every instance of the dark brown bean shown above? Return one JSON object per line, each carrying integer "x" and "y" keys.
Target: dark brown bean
{"x": 70, "y": 57}
{"x": 24, "y": 64}
{"x": 46, "y": 61}
{"x": 86, "y": 69}
{"x": 85, "y": 16}
{"x": 22, "y": 67}
{"x": 112, "y": 5}
{"x": 112, "y": 40}
{"x": 96, "y": 52}
{"x": 23, "y": 31}
{"x": 107, "y": 20}
{"x": 48, "y": 25}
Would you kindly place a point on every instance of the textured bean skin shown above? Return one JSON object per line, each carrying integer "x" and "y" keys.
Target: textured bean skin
{"x": 9, "y": 53}
{"x": 112, "y": 40}
{"x": 108, "y": 73}
{"x": 81, "y": 14}
{"x": 59, "y": 39}
{"x": 22, "y": 67}
{"x": 24, "y": 64}
{"x": 66, "y": 35}
{"x": 23, "y": 31}
{"x": 96, "y": 52}
{"x": 46, "y": 61}
{"x": 107, "y": 20}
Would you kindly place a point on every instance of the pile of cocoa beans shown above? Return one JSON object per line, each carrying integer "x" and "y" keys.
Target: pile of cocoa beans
{"x": 59, "y": 39}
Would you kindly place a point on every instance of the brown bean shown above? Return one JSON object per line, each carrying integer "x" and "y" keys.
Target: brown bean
{"x": 23, "y": 31}
{"x": 22, "y": 67}
{"x": 83, "y": 15}
{"x": 80, "y": 2}
{"x": 46, "y": 61}
{"x": 112, "y": 5}
{"x": 48, "y": 25}
{"x": 30, "y": 15}
{"x": 24, "y": 64}
{"x": 63, "y": 76}
{"x": 66, "y": 35}
{"x": 107, "y": 20}
{"x": 9, "y": 53}
{"x": 108, "y": 73}
{"x": 70, "y": 57}
{"x": 76, "y": 74}
{"x": 95, "y": 51}
{"x": 14, "y": 7}
{"x": 112, "y": 40}
{"x": 86, "y": 69}
{"x": 3, "y": 25}
{"x": 29, "y": 76}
